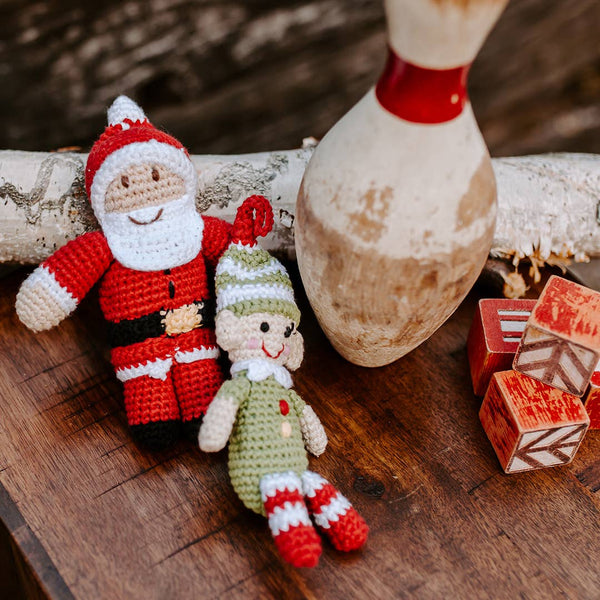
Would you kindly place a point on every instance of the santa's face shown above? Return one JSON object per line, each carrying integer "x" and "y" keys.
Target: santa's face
{"x": 140, "y": 186}
{"x": 150, "y": 219}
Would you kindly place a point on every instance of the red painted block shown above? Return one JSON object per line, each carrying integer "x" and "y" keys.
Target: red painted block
{"x": 494, "y": 338}
{"x": 561, "y": 343}
{"x": 592, "y": 400}
{"x": 531, "y": 425}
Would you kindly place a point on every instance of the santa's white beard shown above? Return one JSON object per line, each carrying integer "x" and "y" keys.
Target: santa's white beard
{"x": 172, "y": 240}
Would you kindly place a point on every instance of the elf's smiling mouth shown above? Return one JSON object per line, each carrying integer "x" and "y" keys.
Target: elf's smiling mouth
{"x": 272, "y": 355}
{"x": 156, "y": 218}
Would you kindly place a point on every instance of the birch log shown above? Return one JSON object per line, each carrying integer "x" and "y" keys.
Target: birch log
{"x": 43, "y": 203}
{"x": 548, "y": 207}
{"x": 547, "y": 204}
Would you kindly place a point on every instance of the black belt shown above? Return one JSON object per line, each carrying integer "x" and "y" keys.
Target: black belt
{"x": 132, "y": 331}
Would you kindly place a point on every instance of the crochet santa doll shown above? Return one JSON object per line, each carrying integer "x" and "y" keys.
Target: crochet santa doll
{"x": 152, "y": 257}
{"x": 268, "y": 425}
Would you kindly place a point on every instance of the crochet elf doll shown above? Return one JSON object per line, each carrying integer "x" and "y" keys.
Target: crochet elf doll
{"x": 152, "y": 257}
{"x": 267, "y": 424}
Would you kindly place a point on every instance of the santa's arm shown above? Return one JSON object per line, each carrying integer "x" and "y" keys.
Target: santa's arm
{"x": 215, "y": 239}
{"x": 55, "y": 288}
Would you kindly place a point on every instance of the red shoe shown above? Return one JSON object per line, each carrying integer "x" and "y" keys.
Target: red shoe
{"x": 293, "y": 533}
{"x": 333, "y": 513}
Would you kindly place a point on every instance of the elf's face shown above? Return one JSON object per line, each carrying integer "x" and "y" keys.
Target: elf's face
{"x": 260, "y": 335}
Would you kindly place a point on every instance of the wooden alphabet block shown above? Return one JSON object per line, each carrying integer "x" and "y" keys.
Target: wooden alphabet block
{"x": 494, "y": 337}
{"x": 531, "y": 425}
{"x": 561, "y": 342}
{"x": 592, "y": 400}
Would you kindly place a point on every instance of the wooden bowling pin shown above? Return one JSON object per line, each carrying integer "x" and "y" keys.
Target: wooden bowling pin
{"x": 396, "y": 210}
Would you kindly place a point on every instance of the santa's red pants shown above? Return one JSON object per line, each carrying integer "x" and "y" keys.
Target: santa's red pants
{"x": 169, "y": 378}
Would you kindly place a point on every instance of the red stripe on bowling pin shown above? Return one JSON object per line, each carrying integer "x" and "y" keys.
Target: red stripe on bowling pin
{"x": 422, "y": 95}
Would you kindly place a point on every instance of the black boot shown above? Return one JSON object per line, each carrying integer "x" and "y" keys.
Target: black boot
{"x": 156, "y": 435}
{"x": 190, "y": 429}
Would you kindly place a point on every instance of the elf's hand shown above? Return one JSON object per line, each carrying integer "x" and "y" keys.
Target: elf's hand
{"x": 313, "y": 433}
{"x": 41, "y": 303}
{"x": 217, "y": 424}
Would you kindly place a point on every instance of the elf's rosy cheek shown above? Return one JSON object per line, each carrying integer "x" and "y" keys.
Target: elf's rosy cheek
{"x": 253, "y": 343}
{"x": 286, "y": 351}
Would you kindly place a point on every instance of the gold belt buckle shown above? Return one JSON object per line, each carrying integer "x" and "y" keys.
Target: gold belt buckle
{"x": 182, "y": 319}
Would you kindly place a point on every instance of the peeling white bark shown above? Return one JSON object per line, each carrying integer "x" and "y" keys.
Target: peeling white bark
{"x": 547, "y": 204}
{"x": 43, "y": 203}
{"x": 548, "y": 207}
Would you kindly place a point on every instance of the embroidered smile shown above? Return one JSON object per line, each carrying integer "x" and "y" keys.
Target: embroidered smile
{"x": 272, "y": 355}
{"x": 156, "y": 218}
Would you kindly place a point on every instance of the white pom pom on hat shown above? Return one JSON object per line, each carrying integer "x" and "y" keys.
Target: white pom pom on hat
{"x": 125, "y": 108}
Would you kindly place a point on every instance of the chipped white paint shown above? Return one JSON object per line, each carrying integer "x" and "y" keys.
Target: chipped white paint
{"x": 382, "y": 195}
{"x": 416, "y": 175}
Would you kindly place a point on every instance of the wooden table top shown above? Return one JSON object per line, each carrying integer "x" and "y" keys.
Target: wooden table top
{"x": 90, "y": 515}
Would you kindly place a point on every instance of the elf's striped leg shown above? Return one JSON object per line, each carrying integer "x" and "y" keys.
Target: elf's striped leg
{"x": 294, "y": 535}
{"x": 333, "y": 513}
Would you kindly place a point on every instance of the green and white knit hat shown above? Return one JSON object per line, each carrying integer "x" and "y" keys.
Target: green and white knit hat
{"x": 249, "y": 280}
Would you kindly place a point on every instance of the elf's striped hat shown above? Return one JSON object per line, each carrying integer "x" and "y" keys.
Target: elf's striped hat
{"x": 248, "y": 279}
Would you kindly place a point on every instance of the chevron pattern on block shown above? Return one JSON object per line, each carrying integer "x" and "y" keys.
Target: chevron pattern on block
{"x": 531, "y": 425}
{"x": 555, "y": 361}
{"x": 539, "y": 449}
{"x": 561, "y": 342}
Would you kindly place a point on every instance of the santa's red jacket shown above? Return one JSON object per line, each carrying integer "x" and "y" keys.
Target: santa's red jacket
{"x": 154, "y": 317}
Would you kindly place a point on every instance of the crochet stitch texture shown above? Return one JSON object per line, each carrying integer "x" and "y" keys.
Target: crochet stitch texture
{"x": 268, "y": 425}
{"x": 154, "y": 259}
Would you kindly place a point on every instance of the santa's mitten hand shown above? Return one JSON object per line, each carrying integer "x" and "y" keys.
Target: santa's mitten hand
{"x": 217, "y": 424}
{"x": 41, "y": 303}
{"x": 254, "y": 219}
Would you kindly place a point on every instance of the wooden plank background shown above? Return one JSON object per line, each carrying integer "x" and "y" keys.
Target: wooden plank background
{"x": 231, "y": 76}
{"x": 96, "y": 517}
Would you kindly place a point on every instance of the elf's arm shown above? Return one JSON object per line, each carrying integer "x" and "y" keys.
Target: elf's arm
{"x": 220, "y": 417}
{"x": 57, "y": 286}
{"x": 313, "y": 432}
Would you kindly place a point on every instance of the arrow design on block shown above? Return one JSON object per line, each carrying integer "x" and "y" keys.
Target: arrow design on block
{"x": 555, "y": 361}
{"x": 539, "y": 449}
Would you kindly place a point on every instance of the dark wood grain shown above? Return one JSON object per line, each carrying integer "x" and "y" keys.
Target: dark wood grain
{"x": 239, "y": 76}
{"x": 406, "y": 446}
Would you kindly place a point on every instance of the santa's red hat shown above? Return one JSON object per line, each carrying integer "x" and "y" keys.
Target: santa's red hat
{"x": 131, "y": 139}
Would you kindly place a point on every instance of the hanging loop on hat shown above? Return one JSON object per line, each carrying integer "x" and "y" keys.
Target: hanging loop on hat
{"x": 254, "y": 219}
